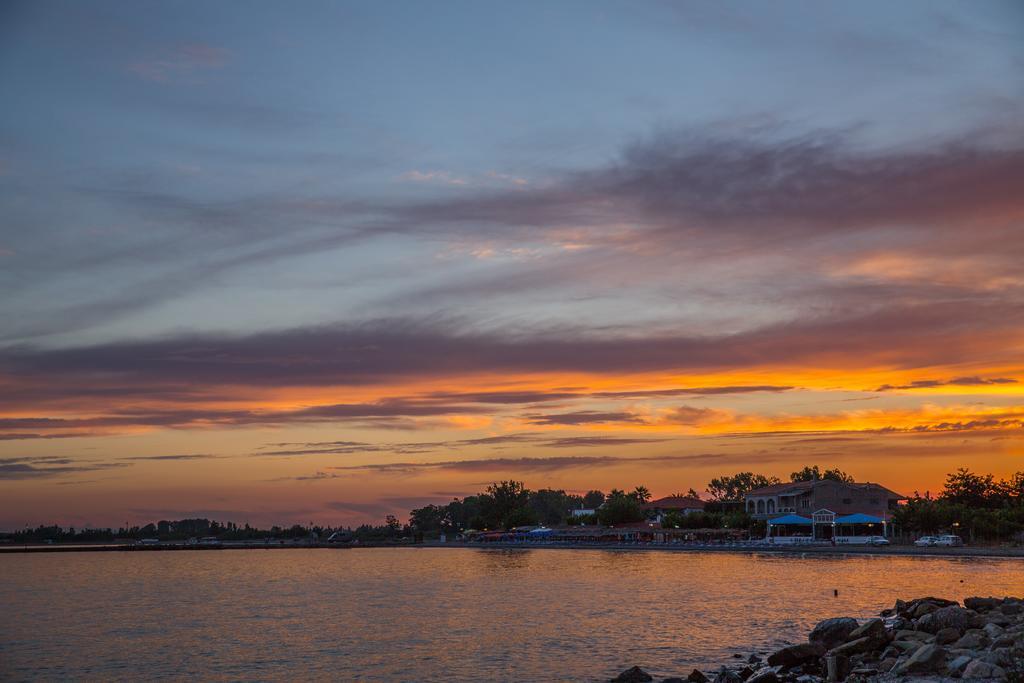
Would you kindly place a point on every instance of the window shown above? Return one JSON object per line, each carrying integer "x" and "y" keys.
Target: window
{"x": 806, "y": 504}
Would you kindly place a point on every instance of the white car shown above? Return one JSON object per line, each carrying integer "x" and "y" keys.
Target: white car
{"x": 926, "y": 541}
{"x": 949, "y": 540}
{"x": 878, "y": 540}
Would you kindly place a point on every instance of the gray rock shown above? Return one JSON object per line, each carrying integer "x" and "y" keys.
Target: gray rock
{"x": 918, "y": 636}
{"x": 980, "y": 669}
{"x": 887, "y": 664}
{"x": 795, "y": 655}
{"x": 958, "y": 664}
{"x": 947, "y": 636}
{"x": 982, "y": 604}
{"x": 948, "y": 617}
{"x": 993, "y": 630}
{"x": 926, "y": 659}
{"x": 764, "y": 675}
{"x": 837, "y": 667}
{"x": 697, "y": 676}
{"x": 633, "y": 675}
{"x": 855, "y": 647}
{"x": 974, "y": 640}
{"x": 673, "y": 679}
{"x": 832, "y": 632}
{"x": 872, "y": 628}
{"x": 1011, "y": 608}
{"x": 725, "y": 675}
{"x": 754, "y": 659}
{"x": 1003, "y": 641}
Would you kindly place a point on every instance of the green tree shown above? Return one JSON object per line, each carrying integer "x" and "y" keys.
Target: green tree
{"x": 814, "y": 473}
{"x": 502, "y": 503}
{"x": 593, "y": 500}
{"x": 641, "y": 494}
{"x": 620, "y": 508}
{"x": 733, "y": 488}
{"x": 974, "y": 490}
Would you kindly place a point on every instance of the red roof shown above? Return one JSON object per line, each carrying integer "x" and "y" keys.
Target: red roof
{"x": 675, "y": 503}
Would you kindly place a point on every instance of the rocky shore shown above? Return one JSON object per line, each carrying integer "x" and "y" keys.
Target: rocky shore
{"x": 923, "y": 639}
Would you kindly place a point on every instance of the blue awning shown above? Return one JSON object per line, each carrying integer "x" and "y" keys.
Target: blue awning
{"x": 790, "y": 519}
{"x": 859, "y": 518}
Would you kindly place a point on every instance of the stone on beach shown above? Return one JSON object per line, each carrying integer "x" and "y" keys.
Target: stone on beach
{"x": 926, "y": 659}
{"x": 952, "y": 616}
{"x": 794, "y": 655}
{"x": 832, "y": 632}
{"x": 633, "y": 675}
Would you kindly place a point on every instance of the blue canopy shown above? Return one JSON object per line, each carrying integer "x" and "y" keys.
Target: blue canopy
{"x": 858, "y": 518}
{"x": 790, "y": 519}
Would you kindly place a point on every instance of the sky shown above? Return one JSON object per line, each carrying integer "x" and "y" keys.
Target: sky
{"x": 326, "y": 262}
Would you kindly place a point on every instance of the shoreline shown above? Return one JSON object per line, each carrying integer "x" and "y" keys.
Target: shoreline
{"x": 902, "y": 551}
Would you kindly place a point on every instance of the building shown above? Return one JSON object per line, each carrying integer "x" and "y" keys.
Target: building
{"x": 683, "y": 505}
{"x": 807, "y": 497}
{"x": 824, "y": 508}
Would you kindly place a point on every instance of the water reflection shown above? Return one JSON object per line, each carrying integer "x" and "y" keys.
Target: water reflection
{"x": 426, "y": 614}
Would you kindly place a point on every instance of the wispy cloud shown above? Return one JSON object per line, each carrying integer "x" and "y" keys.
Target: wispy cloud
{"x": 182, "y": 63}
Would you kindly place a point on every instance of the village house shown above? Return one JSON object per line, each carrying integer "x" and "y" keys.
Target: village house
{"x": 683, "y": 505}
{"x": 824, "y": 508}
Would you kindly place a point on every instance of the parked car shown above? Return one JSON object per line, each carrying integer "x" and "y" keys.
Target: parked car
{"x": 926, "y": 541}
{"x": 878, "y": 540}
{"x": 949, "y": 540}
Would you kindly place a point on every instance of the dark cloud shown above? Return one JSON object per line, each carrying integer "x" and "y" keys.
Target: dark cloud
{"x": 694, "y": 391}
{"x": 957, "y": 381}
{"x": 581, "y": 417}
{"x": 553, "y": 463}
{"x": 182, "y": 456}
{"x": 598, "y": 441}
{"x": 43, "y": 468}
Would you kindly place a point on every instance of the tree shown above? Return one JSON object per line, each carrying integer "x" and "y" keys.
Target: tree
{"x": 641, "y": 494}
{"x": 593, "y": 500}
{"x": 549, "y": 506}
{"x": 814, "y": 473}
{"x": 393, "y": 525}
{"x": 733, "y": 488}
{"x": 973, "y": 490}
{"x": 620, "y": 508}
{"x": 502, "y": 501}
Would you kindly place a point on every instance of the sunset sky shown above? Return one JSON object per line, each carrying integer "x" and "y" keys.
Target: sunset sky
{"x": 277, "y": 263}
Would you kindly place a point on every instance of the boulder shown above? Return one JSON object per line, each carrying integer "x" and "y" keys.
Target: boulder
{"x": 725, "y": 675}
{"x": 764, "y": 675}
{"x": 982, "y": 604}
{"x": 958, "y": 664}
{"x": 951, "y": 616}
{"x": 887, "y": 664}
{"x": 837, "y": 667}
{"x": 993, "y": 630}
{"x": 1003, "y": 641}
{"x": 972, "y": 640}
{"x": 918, "y": 636}
{"x": 908, "y": 608}
{"x": 947, "y": 636}
{"x": 926, "y": 659}
{"x": 872, "y": 628}
{"x": 832, "y": 632}
{"x": 922, "y": 609}
{"x": 673, "y": 679}
{"x": 633, "y": 675}
{"x": 1011, "y": 608}
{"x": 980, "y": 669}
{"x": 697, "y": 676}
{"x": 855, "y": 647}
{"x": 794, "y": 655}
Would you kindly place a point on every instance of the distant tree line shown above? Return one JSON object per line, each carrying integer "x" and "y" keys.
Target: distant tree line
{"x": 976, "y": 506}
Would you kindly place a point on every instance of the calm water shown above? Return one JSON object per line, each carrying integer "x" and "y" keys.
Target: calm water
{"x": 436, "y": 614}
